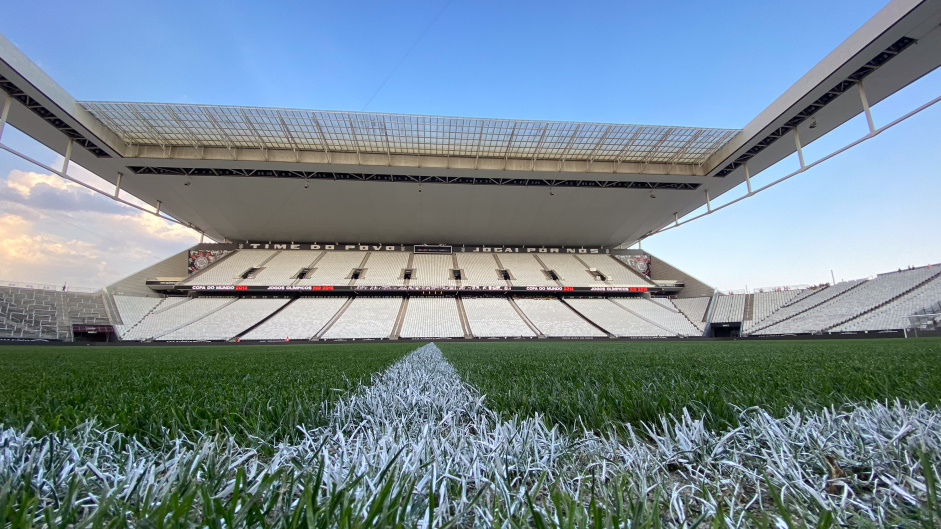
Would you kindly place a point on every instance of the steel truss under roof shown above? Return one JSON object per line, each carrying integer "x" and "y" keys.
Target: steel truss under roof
{"x": 202, "y": 126}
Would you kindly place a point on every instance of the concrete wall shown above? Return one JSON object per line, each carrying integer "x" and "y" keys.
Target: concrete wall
{"x": 174, "y": 266}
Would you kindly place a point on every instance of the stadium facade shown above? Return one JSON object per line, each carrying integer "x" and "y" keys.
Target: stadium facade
{"x": 352, "y": 225}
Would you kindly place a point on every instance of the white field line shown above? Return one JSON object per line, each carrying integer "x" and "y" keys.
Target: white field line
{"x": 422, "y": 418}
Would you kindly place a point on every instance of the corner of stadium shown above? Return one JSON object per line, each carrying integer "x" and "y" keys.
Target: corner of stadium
{"x": 326, "y": 226}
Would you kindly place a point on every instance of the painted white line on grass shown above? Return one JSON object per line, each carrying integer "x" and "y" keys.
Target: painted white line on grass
{"x": 421, "y": 419}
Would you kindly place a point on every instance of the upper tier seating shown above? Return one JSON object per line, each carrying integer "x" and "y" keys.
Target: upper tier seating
{"x": 894, "y": 315}
{"x": 480, "y": 269}
{"x": 571, "y": 271}
{"x": 384, "y": 269}
{"x": 695, "y": 310}
{"x": 432, "y": 271}
{"x": 669, "y": 318}
{"x": 729, "y": 308}
{"x": 177, "y": 314}
{"x": 615, "y": 319}
{"x": 228, "y": 270}
{"x": 555, "y": 319}
{"x": 852, "y": 303}
{"x": 618, "y": 274}
{"x": 301, "y": 320}
{"x": 495, "y": 318}
{"x": 366, "y": 318}
{"x": 432, "y": 318}
{"x": 525, "y": 270}
{"x": 132, "y": 310}
{"x": 334, "y": 268}
{"x": 228, "y": 321}
{"x": 282, "y": 269}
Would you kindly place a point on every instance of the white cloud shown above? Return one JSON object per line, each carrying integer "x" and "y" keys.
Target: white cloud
{"x": 23, "y": 183}
{"x": 54, "y": 231}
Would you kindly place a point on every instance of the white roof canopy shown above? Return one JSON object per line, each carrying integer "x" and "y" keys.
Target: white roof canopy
{"x": 202, "y": 126}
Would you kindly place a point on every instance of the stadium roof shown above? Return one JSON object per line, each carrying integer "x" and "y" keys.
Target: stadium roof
{"x": 244, "y": 173}
{"x": 202, "y": 126}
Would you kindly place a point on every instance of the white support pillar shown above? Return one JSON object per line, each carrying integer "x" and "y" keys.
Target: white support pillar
{"x": 708, "y": 203}
{"x": 676, "y": 218}
{"x": 747, "y": 177}
{"x": 68, "y": 157}
{"x": 157, "y": 213}
{"x": 5, "y": 113}
{"x": 202, "y": 237}
{"x": 865, "y": 100}
{"x": 800, "y": 152}
{"x": 117, "y": 185}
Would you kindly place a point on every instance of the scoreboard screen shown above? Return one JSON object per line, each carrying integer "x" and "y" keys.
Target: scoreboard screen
{"x": 427, "y": 248}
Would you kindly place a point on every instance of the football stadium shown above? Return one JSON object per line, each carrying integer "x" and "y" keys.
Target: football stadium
{"x": 413, "y": 320}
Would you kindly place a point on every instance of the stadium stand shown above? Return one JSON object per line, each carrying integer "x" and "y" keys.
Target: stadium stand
{"x": 334, "y": 268}
{"x": 556, "y": 319}
{"x": 432, "y": 270}
{"x": 432, "y": 317}
{"x": 694, "y": 309}
{"x": 668, "y": 318}
{"x": 525, "y": 269}
{"x": 31, "y": 313}
{"x": 894, "y": 314}
{"x": 366, "y": 318}
{"x": 729, "y": 308}
{"x": 384, "y": 269}
{"x": 229, "y": 269}
{"x": 283, "y": 268}
{"x": 572, "y": 272}
{"x": 495, "y": 318}
{"x": 766, "y": 303}
{"x": 853, "y": 302}
{"x": 226, "y": 322}
{"x": 132, "y": 310}
{"x": 479, "y": 269}
{"x": 177, "y": 314}
{"x": 301, "y": 320}
{"x": 616, "y": 320}
{"x": 618, "y": 274}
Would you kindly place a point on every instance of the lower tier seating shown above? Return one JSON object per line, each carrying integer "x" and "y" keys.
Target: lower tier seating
{"x": 613, "y": 318}
{"x": 178, "y": 313}
{"x": 228, "y": 321}
{"x": 366, "y": 318}
{"x": 661, "y": 315}
{"x": 432, "y": 318}
{"x": 555, "y": 319}
{"x": 495, "y": 318}
{"x": 303, "y": 319}
{"x": 694, "y": 309}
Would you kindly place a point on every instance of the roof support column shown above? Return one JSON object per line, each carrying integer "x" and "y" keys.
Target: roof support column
{"x": 157, "y": 212}
{"x": 800, "y": 152}
{"x": 747, "y": 177}
{"x": 708, "y": 203}
{"x": 68, "y": 157}
{"x": 5, "y": 113}
{"x": 117, "y": 185}
{"x": 865, "y": 100}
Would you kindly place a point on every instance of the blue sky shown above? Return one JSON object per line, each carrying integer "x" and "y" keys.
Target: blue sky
{"x": 674, "y": 63}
